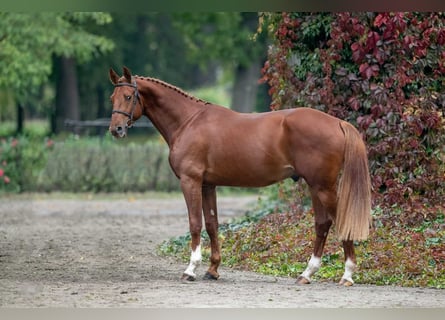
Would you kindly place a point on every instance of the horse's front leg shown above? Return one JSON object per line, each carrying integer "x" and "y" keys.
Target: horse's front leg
{"x": 191, "y": 189}
{"x": 211, "y": 223}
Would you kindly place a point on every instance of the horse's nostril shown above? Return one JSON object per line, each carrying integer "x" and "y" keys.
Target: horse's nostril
{"x": 119, "y": 129}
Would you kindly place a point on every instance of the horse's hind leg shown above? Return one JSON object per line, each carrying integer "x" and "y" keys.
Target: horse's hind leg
{"x": 323, "y": 220}
{"x": 211, "y": 224}
{"x": 350, "y": 263}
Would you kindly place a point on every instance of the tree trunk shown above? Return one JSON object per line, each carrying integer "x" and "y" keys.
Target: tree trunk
{"x": 20, "y": 117}
{"x": 245, "y": 87}
{"x": 67, "y": 93}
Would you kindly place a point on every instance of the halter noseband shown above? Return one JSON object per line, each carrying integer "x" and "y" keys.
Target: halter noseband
{"x": 135, "y": 99}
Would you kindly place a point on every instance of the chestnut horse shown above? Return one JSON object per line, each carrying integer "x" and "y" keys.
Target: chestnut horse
{"x": 214, "y": 146}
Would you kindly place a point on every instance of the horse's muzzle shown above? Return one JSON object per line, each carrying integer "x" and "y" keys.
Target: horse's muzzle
{"x": 119, "y": 131}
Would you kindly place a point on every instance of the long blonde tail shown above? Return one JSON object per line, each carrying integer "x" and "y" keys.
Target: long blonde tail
{"x": 353, "y": 217}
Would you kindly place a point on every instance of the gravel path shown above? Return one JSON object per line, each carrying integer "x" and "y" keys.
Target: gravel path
{"x": 102, "y": 253}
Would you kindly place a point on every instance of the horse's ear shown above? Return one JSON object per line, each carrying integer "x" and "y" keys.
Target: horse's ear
{"x": 113, "y": 76}
{"x": 127, "y": 74}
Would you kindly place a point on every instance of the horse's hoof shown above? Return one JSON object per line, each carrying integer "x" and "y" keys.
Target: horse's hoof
{"x": 187, "y": 278}
{"x": 209, "y": 276}
{"x": 302, "y": 280}
{"x": 345, "y": 283}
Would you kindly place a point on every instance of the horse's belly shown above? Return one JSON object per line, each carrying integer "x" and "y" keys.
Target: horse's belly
{"x": 247, "y": 176}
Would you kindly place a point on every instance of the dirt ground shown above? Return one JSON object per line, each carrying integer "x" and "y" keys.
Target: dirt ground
{"x": 102, "y": 253}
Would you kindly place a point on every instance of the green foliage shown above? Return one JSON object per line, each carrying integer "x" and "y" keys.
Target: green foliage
{"x": 384, "y": 73}
{"x": 80, "y": 165}
{"x": 220, "y": 36}
{"x": 20, "y": 161}
{"x": 215, "y": 94}
{"x": 28, "y": 42}
{"x": 150, "y": 45}
{"x": 36, "y": 164}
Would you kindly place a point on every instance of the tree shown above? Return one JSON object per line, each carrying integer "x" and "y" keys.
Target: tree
{"x": 29, "y": 41}
{"x": 227, "y": 38}
{"x": 67, "y": 93}
{"x": 382, "y": 71}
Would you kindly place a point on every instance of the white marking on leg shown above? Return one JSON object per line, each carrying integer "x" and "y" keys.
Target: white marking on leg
{"x": 312, "y": 267}
{"x": 212, "y": 212}
{"x": 195, "y": 260}
{"x": 350, "y": 267}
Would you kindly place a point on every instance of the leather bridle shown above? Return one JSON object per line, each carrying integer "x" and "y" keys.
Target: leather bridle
{"x": 135, "y": 100}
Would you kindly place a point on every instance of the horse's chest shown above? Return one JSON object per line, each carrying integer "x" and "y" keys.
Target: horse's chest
{"x": 187, "y": 159}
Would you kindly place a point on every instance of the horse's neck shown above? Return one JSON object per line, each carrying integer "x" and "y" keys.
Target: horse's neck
{"x": 169, "y": 110}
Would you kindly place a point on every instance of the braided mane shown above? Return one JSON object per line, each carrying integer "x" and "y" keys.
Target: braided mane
{"x": 172, "y": 87}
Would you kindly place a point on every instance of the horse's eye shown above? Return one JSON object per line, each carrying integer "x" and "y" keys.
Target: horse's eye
{"x": 127, "y": 97}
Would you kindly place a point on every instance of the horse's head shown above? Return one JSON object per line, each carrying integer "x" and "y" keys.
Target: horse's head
{"x": 126, "y": 103}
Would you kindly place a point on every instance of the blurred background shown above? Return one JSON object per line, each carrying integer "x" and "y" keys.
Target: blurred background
{"x": 55, "y": 65}
{"x": 382, "y": 72}
{"x": 54, "y": 90}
